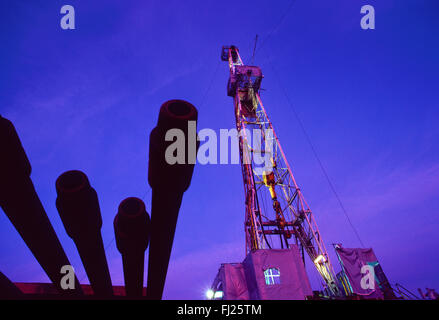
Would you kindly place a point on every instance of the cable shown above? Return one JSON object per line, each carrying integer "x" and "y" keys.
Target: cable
{"x": 276, "y": 26}
{"x": 203, "y": 100}
{"x": 308, "y": 139}
{"x": 254, "y": 50}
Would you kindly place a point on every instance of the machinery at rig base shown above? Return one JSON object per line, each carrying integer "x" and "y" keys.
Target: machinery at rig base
{"x": 283, "y": 277}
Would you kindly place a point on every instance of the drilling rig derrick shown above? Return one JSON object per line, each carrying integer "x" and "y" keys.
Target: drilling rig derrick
{"x": 276, "y": 213}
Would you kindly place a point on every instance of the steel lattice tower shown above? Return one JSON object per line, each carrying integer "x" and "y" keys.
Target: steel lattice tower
{"x": 276, "y": 213}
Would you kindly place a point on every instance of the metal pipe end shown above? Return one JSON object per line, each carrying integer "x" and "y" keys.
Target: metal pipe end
{"x": 132, "y": 226}
{"x": 71, "y": 181}
{"x": 176, "y": 114}
{"x": 78, "y": 205}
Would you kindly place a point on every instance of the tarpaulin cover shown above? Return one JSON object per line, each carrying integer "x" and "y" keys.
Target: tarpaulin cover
{"x": 293, "y": 280}
{"x": 353, "y": 260}
{"x": 254, "y": 71}
{"x": 244, "y": 77}
{"x": 232, "y": 278}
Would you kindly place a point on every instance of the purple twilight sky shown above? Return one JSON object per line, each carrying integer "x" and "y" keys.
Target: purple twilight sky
{"x": 87, "y": 99}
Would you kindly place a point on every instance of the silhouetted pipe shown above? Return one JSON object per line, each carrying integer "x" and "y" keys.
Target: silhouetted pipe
{"x": 21, "y": 204}
{"x": 132, "y": 232}
{"x": 78, "y": 207}
{"x": 168, "y": 183}
{"x": 8, "y": 290}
